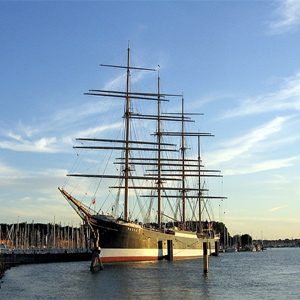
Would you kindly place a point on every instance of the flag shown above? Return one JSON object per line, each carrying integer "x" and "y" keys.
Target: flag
{"x": 94, "y": 200}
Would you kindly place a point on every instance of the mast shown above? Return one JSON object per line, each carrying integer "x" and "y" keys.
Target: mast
{"x": 200, "y": 192}
{"x": 183, "y": 166}
{"x": 159, "y": 183}
{"x": 127, "y": 136}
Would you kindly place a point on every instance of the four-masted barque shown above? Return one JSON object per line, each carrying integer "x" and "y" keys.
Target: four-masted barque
{"x": 158, "y": 171}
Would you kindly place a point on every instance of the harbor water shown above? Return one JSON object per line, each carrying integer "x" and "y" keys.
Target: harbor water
{"x": 270, "y": 274}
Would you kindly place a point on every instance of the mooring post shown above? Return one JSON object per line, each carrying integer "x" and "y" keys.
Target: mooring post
{"x": 96, "y": 264}
{"x": 170, "y": 250}
{"x": 205, "y": 258}
{"x": 217, "y": 248}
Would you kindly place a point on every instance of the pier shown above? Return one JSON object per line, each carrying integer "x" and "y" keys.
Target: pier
{"x": 21, "y": 256}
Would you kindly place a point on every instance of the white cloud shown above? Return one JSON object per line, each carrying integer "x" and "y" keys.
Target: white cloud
{"x": 277, "y": 208}
{"x": 7, "y": 171}
{"x": 53, "y": 133}
{"x": 286, "y": 98}
{"x": 253, "y": 151}
{"x": 48, "y": 145}
{"x": 73, "y": 114}
{"x": 119, "y": 82}
{"x": 212, "y": 97}
{"x": 93, "y": 132}
{"x": 286, "y": 17}
{"x": 12, "y": 173}
{"x": 21, "y": 141}
{"x": 116, "y": 83}
{"x": 249, "y": 168}
{"x": 28, "y": 182}
{"x": 246, "y": 144}
{"x": 29, "y": 131}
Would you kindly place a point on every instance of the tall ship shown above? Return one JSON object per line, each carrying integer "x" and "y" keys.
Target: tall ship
{"x": 156, "y": 195}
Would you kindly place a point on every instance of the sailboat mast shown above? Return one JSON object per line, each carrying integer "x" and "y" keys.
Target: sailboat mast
{"x": 159, "y": 158}
{"x": 183, "y": 167}
{"x": 199, "y": 184}
{"x": 127, "y": 133}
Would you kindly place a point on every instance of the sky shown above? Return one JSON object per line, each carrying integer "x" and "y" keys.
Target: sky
{"x": 237, "y": 62}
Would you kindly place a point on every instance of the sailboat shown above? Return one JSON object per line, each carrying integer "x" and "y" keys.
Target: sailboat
{"x": 158, "y": 172}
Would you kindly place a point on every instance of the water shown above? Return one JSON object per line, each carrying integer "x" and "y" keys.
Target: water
{"x": 271, "y": 274}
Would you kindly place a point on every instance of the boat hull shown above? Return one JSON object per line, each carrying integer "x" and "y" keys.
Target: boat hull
{"x": 124, "y": 241}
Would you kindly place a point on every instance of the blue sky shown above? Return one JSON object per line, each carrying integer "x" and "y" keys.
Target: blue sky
{"x": 235, "y": 61}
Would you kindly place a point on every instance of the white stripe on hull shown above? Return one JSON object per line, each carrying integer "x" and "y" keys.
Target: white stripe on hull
{"x": 145, "y": 254}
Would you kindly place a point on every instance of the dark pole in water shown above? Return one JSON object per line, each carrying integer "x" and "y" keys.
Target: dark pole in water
{"x": 205, "y": 258}
{"x": 170, "y": 250}
{"x": 96, "y": 264}
{"x": 217, "y": 247}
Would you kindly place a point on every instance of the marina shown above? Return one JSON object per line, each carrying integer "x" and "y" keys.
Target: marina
{"x": 23, "y": 243}
{"x": 154, "y": 141}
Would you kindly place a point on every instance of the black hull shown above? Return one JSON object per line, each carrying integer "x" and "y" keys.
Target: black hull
{"x": 124, "y": 241}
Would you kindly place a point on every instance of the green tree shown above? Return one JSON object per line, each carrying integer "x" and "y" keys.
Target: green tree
{"x": 246, "y": 240}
